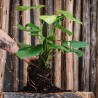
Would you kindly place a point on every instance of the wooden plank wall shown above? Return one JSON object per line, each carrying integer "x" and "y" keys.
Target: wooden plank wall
{"x": 81, "y": 73}
{"x": 93, "y": 30}
{"x": 13, "y": 32}
{"x": 57, "y": 59}
{"x": 4, "y": 21}
{"x": 97, "y": 54}
{"x": 86, "y": 37}
{"x": 26, "y": 36}
{"x": 69, "y": 56}
{"x": 76, "y": 36}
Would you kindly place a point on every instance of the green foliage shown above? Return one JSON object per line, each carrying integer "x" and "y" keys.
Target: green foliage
{"x": 62, "y": 28}
{"x": 47, "y": 42}
{"x": 48, "y": 19}
{"x": 22, "y": 8}
{"x": 69, "y": 16}
{"x": 78, "y": 44}
{"x": 29, "y": 27}
{"x": 51, "y": 38}
{"x": 26, "y": 51}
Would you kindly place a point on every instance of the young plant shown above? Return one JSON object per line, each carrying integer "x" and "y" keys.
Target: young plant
{"x": 47, "y": 41}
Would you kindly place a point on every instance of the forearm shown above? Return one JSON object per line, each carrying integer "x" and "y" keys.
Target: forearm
{"x": 7, "y": 43}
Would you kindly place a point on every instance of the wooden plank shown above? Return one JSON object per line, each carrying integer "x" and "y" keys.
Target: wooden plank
{"x": 49, "y": 11}
{"x": 4, "y": 21}
{"x": 96, "y": 94}
{"x": 40, "y": 95}
{"x": 63, "y": 57}
{"x": 93, "y": 20}
{"x": 26, "y": 36}
{"x": 84, "y": 74}
{"x": 86, "y": 94}
{"x": 49, "y": 7}
{"x": 69, "y": 56}
{"x": 76, "y": 36}
{"x": 49, "y": 95}
{"x": 14, "y": 62}
{"x": 36, "y": 14}
{"x": 57, "y": 59}
{"x": 41, "y": 2}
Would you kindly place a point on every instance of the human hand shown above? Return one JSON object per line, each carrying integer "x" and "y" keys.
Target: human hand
{"x": 31, "y": 59}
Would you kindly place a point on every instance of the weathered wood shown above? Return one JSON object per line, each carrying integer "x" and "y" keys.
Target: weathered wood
{"x": 48, "y": 95}
{"x": 63, "y": 57}
{"x": 86, "y": 94}
{"x": 40, "y": 95}
{"x": 14, "y": 62}
{"x": 49, "y": 11}
{"x": 69, "y": 56}
{"x": 49, "y": 7}
{"x": 57, "y": 59}
{"x": 93, "y": 20}
{"x": 4, "y": 19}
{"x": 36, "y": 14}
{"x": 84, "y": 84}
{"x": 76, "y": 36}
{"x": 26, "y": 36}
{"x": 88, "y": 60}
{"x": 41, "y": 2}
{"x": 96, "y": 93}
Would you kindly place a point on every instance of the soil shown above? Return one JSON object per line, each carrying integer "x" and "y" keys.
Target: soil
{"x": 39, "y": 81}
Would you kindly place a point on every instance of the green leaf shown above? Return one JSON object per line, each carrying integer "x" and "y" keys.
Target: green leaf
{"x": 51, "y": 38}
{"x": 54, "y": 46}
{"x": 62, "y": 28}
{"x": 23, "y": 46}
{"x": 58, "y": 18}
{"x": 42, "y": 38}
{"x": 22, "y": 8}
{"x": 78, "y": 44}
{"x": 21, "y": 27}
{"x": 34, "y": 34}
{"x": 48, "y": 19}
{"x": 30, "y": 51}
{"x": 38, "y": 7}
{"x": 69, "y": 16}
{"x": 65, "y": 43}
{"x": 79, "y": 53}
{"x": 32, "y": 28}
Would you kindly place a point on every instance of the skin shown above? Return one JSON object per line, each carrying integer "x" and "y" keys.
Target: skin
{"x": 9, "y": 45}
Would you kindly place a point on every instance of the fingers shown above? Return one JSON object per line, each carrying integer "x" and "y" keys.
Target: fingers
{"x": 34, "y": 58}
{"x": 27, "y": 60}
{"x": 31, "y": 59}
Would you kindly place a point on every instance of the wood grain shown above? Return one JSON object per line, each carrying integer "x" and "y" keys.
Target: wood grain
{"x": 96, "y": 93}
{"x": 69, "y": 56}
{"x": 4, "y": 21}
{"x": 93, "y": 29}
{"x": 86, "y": 94}
{"x": 49, "y": 7}
{"x": 26, "y": 36}
{"x": 14, "y": 61}
{"x": 36, "y": 14}
{"x": 49, "y": 11}
{"x": 84, "y": 84}
{"x": 40, "y": 95}
{"x": 57, "y": 59}
{"x": 48, "y": 95}
{"x": 76, "y": 36}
